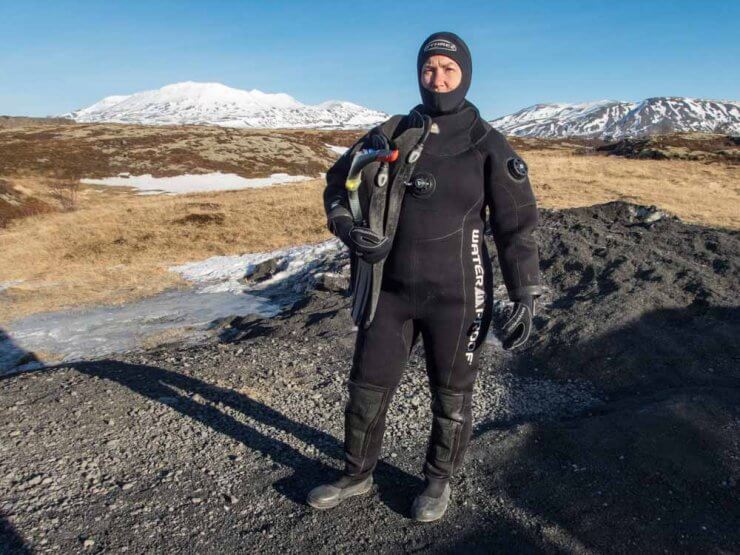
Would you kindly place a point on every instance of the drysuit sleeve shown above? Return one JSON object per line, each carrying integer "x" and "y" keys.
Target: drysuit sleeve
{"x": 513, "y": 217}
{"x": 336, "y": 201}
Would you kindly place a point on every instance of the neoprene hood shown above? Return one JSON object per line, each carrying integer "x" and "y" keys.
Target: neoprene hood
{"x": 452, "y": 46}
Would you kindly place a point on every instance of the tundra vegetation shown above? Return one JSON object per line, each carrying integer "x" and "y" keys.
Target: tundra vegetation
{"x": 63, "y": 244}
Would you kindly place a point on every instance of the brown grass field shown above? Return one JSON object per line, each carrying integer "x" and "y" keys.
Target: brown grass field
{"x": 69, "y": 245}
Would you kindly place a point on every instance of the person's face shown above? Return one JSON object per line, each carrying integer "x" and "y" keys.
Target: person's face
{"x": 440, "y": 74}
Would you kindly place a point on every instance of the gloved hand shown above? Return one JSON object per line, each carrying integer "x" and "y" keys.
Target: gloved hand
{"x": 368, "y": 245}
{"x": 519, "y": 325}
{"x": 363, "y": 241}
{"x": 340, "y": 225}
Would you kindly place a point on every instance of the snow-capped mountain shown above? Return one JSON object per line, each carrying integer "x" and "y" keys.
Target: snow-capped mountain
{"x": 617, "y": 119}
{"x": 217, "y": 104}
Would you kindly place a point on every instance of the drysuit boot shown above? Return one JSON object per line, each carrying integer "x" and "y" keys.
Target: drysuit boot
{"x": 431, "y": 503}
{"x": 330, "y": 495}
{"x": 364, "y": 425}
{"x": 451, "y": 429}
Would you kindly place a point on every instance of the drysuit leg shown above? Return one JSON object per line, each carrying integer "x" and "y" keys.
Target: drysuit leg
{"x": 452, "y": 366}
{"x": 381, "y": 352}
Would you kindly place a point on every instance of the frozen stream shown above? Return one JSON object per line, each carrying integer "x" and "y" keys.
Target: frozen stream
{"x": 218, "y": 291}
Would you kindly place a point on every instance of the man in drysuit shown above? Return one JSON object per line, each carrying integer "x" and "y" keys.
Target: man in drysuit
{"x": 437, "y": 277}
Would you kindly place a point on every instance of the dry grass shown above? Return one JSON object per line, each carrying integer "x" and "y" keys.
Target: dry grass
{"x": 699, "y": 193}
{"x": 119, "y": 247}
{"x": 116, "y": 246}
{"x": 15, "y": 205}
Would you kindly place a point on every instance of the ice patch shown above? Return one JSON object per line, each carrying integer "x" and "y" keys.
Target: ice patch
{"x": 90, "y": 333}
{"x": 192, "y": 183}
{"x": 219, "y": 290}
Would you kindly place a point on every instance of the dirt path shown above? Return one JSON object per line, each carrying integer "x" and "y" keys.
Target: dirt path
{"x": 616, "y": 430}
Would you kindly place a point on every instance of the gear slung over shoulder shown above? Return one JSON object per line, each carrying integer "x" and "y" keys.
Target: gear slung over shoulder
{"x": 336, "y": 202}
{"x": 513, "y": 215}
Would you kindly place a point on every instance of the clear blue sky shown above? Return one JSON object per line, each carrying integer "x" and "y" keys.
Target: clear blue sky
{"x": 58, "y": 55}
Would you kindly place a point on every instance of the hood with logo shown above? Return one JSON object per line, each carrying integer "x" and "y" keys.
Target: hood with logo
{"x": 450, "y": 45}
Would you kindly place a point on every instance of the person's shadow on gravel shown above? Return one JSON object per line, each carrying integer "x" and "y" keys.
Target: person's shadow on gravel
{"x": 165, "y": 386}
{"x": 10, "y": 540}
{"x": 13, "y": 356}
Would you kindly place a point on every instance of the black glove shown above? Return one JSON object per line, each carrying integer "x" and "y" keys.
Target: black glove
{"x": 519, "y": 325}
{"x": 340, "y": 226}
{"x": 363, "y": 241}
{"x": 368, "y": 245}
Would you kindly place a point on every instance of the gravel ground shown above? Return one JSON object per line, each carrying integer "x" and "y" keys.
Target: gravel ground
{"x": 617, "y": 428}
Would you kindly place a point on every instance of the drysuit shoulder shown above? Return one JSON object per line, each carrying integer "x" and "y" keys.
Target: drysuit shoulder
{"x": 505, "y": 169}
{"x": 480, "y": 131}
{"x": 496, "y": 142}
{"x": 391, "y": 127}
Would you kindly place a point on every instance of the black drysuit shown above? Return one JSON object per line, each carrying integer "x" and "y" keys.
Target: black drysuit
{"x": 437, "y": 283}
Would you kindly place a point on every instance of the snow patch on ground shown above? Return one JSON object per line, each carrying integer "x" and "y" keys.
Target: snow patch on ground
{"x": 338, "y": 149}
{"x": 192, "y": 183}
{"x": 224, "y": 273}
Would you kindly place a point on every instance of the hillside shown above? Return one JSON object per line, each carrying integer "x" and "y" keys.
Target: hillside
{"x": 216, "y": 104}
{"x": 612, "y": 119}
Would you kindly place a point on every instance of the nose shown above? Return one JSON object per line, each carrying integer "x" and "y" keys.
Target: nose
{"x": 439, "y": 79}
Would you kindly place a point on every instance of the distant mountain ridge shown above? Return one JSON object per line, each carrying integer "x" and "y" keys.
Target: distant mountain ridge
{"x": 216, "y": 104}
{"x": 617, "y": 119}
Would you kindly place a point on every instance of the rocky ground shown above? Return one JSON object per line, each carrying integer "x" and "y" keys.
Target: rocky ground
{"x": 705, "y": 147}
{"x": 615, "y": 430}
